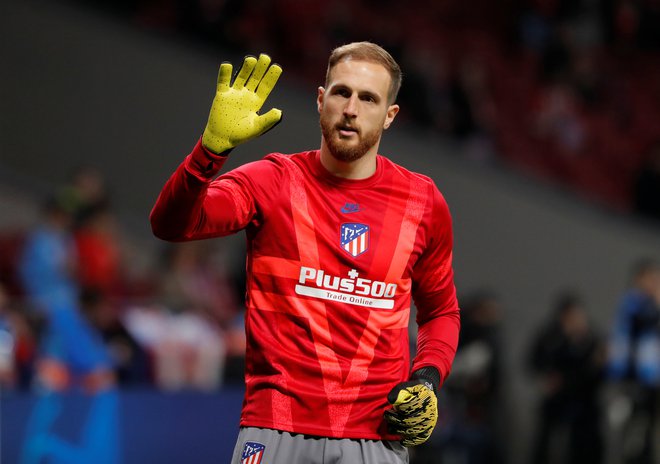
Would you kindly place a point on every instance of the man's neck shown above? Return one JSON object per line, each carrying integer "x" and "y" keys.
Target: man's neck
{"x": 359, "y": 169}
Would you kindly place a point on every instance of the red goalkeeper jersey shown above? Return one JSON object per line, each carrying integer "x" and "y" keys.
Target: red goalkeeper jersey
{"x": 332, "y": 265}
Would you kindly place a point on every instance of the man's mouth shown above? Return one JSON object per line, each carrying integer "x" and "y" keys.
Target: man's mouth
{"x": 346, "y": 130}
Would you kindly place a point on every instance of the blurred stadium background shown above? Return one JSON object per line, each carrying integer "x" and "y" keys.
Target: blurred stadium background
{"x": 538, "y": 120}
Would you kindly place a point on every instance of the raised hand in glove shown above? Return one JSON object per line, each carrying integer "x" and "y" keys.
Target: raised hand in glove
{"x": 234, "y": 117}
{"x": 414, "y": 410}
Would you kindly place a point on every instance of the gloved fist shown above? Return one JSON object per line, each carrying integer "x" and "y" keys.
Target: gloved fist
{"x": 414, "y": 411}
{"x": 234, "y": 117}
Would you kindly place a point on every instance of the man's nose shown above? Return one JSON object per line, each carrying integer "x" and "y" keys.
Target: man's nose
{"x": 351, "y": 107}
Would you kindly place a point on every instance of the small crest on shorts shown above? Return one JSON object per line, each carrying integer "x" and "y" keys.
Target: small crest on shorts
{"x": 252, "y": 452}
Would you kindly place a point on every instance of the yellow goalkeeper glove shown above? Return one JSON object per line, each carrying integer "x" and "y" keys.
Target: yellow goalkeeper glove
{"x": 234, "y": 117}
{"x": 414, "y": 410}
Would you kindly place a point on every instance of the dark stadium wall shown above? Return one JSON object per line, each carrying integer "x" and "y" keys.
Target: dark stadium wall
{"x": 81, "y": 88}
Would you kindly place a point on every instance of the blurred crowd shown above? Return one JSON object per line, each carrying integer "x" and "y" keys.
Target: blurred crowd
{"x": 568, "y": 90}
{"x": 597, "y": 390}
{"x": 71, "y": 306}
{"x": 75, "y": 316}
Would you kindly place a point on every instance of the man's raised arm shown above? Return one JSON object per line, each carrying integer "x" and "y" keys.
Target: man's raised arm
{"x": 183, "y": 210}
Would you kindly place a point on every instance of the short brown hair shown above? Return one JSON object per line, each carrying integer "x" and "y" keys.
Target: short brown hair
{"x": 368, "y": 51}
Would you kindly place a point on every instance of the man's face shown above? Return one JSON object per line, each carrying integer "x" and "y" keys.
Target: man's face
{"x": 354, "y": 109}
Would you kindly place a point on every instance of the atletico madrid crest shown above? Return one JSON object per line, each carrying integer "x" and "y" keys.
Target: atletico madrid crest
{"x": 354, "y": 238}
{"x": 252, "y": 453}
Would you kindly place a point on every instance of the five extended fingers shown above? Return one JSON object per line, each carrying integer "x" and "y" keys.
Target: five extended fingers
{"x": 255, "y": 75}
{"x": 234, "y": 116}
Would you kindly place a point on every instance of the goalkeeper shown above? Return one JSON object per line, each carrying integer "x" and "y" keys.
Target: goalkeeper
{"x": 340, "y": 241}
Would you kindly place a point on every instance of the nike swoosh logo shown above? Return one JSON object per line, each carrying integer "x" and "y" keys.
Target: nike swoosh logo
{"x": 350, "y": 208}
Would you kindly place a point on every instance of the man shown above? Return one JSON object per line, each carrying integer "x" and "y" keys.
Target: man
{"x": 567, "y": 358}
{"x": 72, "y": 358}
{"x": 634, "y": 360}
{"x": 338, "y": 241}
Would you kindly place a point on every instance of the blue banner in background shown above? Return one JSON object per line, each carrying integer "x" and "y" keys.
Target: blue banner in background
{"x": 154, "y": 427}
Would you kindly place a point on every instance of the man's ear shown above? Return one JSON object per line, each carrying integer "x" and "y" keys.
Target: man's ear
{"x": 319, "y": 99}
{"x": 392, "y": 111}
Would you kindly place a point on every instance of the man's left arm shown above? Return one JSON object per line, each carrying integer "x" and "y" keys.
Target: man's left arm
{"x": 434, "y": 293}
{"x": 414, "y": 413}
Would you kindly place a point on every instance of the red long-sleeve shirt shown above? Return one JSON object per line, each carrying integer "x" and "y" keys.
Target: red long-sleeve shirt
{"x": 332, "y": 264}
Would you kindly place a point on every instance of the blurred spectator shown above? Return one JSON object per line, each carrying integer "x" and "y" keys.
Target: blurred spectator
{"x": 17, "y": 345}
{"x": 475, "y": 409}
{"x": 85, "y": 190}
{"x": 198, "y": 323}
{"x": 71, "y": 352}
{"x": 634, "y": 359}
{"x": 236, "y": 345}
{"x": 99, "y": 251}
{"x": 188, "y": 352}
{"x": 556, "y": 54}
{"x": 48, "y": 274}
{"x": 535, "y": 27}
{"x": 11, "y": 246}
{"x": 26, "y": 342}
{"x": 558, "y": 120}
{"x": 587, "y": 78}
{"x": 131, "y": 362}
{"x": 568, "y": 359}
{"x": 646, "y": 193}
{"x": 212, "y": 20}
{"x": 7, "y": 344}
{"x": 425, "y": 95}
{"x": 48, "y": 263}
{"x": 649, "y": 33}
{"x": 195, "y": 277}
{"x": 625, "y": 24}
{"x": 474, "y": 110}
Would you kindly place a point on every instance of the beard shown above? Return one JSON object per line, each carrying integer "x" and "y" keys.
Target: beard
{"x": 346, "y": 150}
